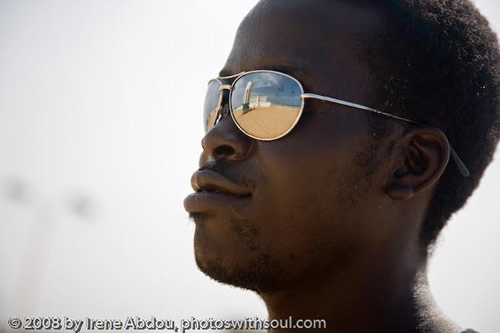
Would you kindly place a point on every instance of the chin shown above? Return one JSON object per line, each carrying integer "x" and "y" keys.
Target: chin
{"x": 231, "y": 252}
{"x": 262, "y": 274}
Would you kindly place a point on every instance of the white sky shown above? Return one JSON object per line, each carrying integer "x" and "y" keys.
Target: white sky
{"x": 102, "y": 99}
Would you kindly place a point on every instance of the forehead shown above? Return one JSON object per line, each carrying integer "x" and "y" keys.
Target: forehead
{"x": 320, "y": 42}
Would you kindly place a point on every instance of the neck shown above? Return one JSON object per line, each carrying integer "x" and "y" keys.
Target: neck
{"x": 391, "y": 296}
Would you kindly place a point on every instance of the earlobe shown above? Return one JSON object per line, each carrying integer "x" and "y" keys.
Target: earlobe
{"x": 419, "y": 164}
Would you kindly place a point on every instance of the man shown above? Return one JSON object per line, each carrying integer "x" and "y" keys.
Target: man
{"x": 341, "y": 136}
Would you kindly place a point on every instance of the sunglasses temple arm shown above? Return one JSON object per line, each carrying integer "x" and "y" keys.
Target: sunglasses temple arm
{"x": 356, "y": 106}
{"x": 460, "y": 164}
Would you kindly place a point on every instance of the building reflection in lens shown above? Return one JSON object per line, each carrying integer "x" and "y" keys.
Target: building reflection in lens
{"x": 267, "y": 111}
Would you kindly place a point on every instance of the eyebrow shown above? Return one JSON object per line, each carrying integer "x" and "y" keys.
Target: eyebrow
{"x": 224, "y": 73}
{"x": 290, "y": 70}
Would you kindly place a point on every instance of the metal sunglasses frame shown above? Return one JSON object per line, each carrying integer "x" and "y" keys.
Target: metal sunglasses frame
{"x": 229, "y": 87}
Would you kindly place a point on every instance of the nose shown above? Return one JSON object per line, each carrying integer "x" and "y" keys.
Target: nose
{"x": 225, "y": 140}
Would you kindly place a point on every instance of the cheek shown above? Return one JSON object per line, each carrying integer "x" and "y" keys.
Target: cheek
{"x": 302, "y": 200}
{"x": 297, "y": 207}
{"x": 310, "y": 164}
{"x": 302, "y": 226}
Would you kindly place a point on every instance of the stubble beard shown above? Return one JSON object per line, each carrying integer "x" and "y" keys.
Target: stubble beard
{"x": 260, "y": 273}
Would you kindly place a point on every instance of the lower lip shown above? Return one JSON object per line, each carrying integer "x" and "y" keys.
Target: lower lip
{"x": 206, "y": 201}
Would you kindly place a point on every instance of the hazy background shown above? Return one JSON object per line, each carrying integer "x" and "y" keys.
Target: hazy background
{"x": 100, "y": 129}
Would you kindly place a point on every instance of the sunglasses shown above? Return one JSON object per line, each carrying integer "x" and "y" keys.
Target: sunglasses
{"x": 266, "y": 105}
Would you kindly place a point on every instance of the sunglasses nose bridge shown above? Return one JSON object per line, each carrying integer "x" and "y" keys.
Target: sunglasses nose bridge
{"x": 220, "y": 108}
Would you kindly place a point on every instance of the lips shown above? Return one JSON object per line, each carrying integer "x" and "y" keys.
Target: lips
{"x": 210, "y": 181}
{"x": 212, "y": 190}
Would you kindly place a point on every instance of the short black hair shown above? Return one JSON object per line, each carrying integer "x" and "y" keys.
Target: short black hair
{"x": 438, "y": 63}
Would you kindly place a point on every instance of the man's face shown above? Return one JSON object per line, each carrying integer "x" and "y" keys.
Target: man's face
{"x": 311, "y": 193}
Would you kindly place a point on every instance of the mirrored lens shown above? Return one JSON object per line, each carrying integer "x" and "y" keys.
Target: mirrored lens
{"x": 211, "y": 103}
{"x": 266, "y": 105}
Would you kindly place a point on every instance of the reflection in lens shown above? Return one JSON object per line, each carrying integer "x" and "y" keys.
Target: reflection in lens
{"x": 211, "y": 103}
{"x": 266, "y": 105}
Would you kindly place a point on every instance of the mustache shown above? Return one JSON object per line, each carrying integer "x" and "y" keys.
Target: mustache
{"x": 227, "y": 171}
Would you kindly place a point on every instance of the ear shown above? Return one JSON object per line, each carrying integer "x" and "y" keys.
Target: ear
{"x": 419, "y": 163}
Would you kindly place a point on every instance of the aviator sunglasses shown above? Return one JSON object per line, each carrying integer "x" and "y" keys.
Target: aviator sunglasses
{"x": 266, "y": 105}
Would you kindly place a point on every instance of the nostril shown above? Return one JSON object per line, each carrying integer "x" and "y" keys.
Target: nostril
{"x": 226, "y": 141}
{"x": 223, "y": 151}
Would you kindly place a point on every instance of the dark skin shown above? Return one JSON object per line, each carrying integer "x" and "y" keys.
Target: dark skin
{"x": 330, "y": 228}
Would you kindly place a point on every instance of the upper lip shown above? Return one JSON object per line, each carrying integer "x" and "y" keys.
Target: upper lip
{"x": 210, "y": 181}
